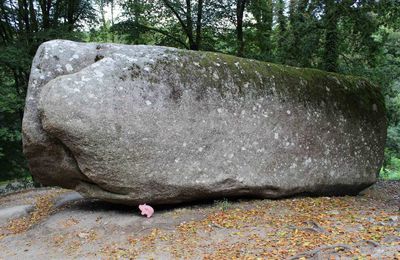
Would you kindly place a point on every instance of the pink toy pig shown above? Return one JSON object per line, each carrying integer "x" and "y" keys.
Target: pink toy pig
{"x": 146, "y": 210}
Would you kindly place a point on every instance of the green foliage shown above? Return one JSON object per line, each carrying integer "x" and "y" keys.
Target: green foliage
{"x": 12, "y": 163}
{"x": 389, "y": 174}
{"x": 24, "y": 25}
{"x": 391, "y": 165}
{"x": 223, "y": 204}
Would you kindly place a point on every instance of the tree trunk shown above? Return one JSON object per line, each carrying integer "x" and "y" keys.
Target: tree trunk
{"x": 331, "y": 50}
{"x": 57, "y": 11}
{"x": 45, "y": 6}
{"x": 136, "y": 21}
{"x": 23, "y": 20}
{"x": 112, "y": 12}
{"x": 293, "y": 48}
{"x": 262, "y": 12}
{"x": 5, "y": 27}
{"x": 188, "y": 31}
{"x": 292, "y": 11}
{"x": 32, "y": 15}
{"x": 240, "y": 6}
{"x": 189, "y": 26}
{"x": 26, "y": 18}
{"x": 102, "y": 13}
{"x": 70, "y": 14}
{"x": 281, "y": 18}
{"x": 199, "y": 23}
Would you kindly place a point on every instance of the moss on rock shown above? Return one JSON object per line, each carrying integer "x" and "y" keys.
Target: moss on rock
{"x": 242, "y": 77}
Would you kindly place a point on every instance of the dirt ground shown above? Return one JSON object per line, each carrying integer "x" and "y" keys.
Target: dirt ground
{"x": 64, "y": 226}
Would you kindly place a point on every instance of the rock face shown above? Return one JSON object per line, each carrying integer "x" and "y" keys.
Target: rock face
{"x": 14, "y": 212}
{"x": 145, "y": 124}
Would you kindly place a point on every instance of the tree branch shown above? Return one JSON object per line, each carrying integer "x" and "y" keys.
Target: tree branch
{"x": 163, "y": 33}
{"x": 170, "y": 6}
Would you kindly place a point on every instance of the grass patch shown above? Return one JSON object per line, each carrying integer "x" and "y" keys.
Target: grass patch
{"x": 223, "y": 204}
{"x": 389, "y": 175}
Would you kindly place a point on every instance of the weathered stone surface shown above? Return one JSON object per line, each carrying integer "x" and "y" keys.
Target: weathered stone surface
{"x": 66, "y": 198}
{"x": 9, "y": 213}
{"x": 144, "y": 124}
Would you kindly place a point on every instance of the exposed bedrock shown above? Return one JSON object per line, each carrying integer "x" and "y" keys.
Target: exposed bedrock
{"x": 146, "y": 124}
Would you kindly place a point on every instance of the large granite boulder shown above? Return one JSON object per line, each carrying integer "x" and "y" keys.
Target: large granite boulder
{"x": 135, "y": 124}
